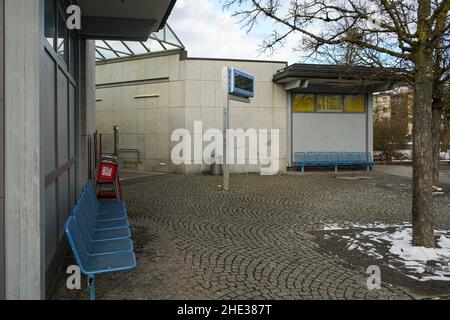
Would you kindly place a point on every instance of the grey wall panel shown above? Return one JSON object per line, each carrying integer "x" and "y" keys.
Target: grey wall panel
{"x": 73, "y": 196}
{"x": 328, "y": 132}
{"x": 51, "y": 229}
{"x": 2, "y": 158}
{"x": 62, "y": 119}
{"x": 48, "y": 102}
{"x": 63, "y": 204}
{"x": 72, "y": 122}
{"x": 24, "y": 263}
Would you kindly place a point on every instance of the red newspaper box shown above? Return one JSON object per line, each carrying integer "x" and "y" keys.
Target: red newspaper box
{"x": 107, "y": 172}
{"x": 108, "y": 175}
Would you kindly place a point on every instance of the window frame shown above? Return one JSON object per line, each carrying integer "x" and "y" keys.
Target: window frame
{"x": 341, "y": 110}
{"x": 61, "y": 12}
{"x": 354, "y": 112}
{"x": 342, "y": 96}
{"x": 71, "y": 41}
{"x": 315, "y": 102}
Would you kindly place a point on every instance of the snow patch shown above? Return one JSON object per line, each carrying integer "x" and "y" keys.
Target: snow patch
{"x": 421, "y": 263}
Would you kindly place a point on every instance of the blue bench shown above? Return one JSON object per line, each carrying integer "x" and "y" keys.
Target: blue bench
{"x": 100, "y": 237}
{"x": 333, "y": 159}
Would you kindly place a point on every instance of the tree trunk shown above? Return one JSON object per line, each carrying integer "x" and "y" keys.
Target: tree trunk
{"x": 422, "y": 212}
{"x": 436, "y": 136}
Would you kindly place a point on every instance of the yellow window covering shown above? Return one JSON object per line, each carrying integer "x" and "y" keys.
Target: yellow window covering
{"x": 303, "y": 103}
{"x": 329, "y": 103}
{"x": 354, "y": 103}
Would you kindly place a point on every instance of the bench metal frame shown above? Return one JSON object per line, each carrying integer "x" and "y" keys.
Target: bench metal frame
{"x": 113, "y": 252}
{"x": 300, "y": 163}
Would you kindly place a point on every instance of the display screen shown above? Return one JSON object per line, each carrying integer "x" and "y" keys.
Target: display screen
{"x": 243, "y": 83}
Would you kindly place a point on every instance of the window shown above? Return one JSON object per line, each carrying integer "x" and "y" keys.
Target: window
{"x": 309, "y": 102}
{"x": 50, "y": 21}
{"x": 329, "y": 103}
{"x": 355, "y": 103}
{"x": 62, "y": 36}
{"x": 72, "y": 56}
{"x": 303, "y": 102}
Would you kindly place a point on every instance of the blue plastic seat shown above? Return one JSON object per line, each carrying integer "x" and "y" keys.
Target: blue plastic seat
{"x": 300, "y": 157}
{"x": 322, "y": 158}
{"x": 102, "y": 205}
{"x": 300, "y": 160}
{"x": 92, "y": 265}
{"x": 102, "y": 247}
{"x": 367, "y": 157}
{"x": 333, "y": 157}
{"x": 105, "y": 214}
{"x": 102, "y": 234}
{"x": 311, "y": 158}
{"x": 355, "y": 157}
{"x": 344, "y": 157}
{"x": 99, "y": 224}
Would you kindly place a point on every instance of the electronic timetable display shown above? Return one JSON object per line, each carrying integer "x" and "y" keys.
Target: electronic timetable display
{"x": 241, "y": 84}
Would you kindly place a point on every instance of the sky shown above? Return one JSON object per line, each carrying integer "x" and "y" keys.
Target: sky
{"x": 207, "y": 31}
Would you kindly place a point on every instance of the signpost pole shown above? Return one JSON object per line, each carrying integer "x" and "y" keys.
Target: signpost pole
{"x": 226, "y": 125}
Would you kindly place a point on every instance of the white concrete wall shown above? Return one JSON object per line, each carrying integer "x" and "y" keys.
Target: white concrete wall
{"x": 189, "y": 90}
{"x": 25, "y": 272}
{"x": 268, "y": 110}
{"x": 329, "y": 132}
{"x": 145, "y": 124}
{"x": 87, "y": 107}
{"x": 332, "y": 131}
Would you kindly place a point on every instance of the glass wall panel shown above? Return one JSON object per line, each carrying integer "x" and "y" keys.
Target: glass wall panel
{"x": 51, "y": 230}
{"x": 62, "y": 36}
{"x": 72, "y": 55}
{"x": 354, "y": 103}
{"x": 303, "y": 102}
{"x": 63, "y": 203}
{"x": 50, "y": 21}
{"x": 48, "y": 102}
{"x": 329, "y": 103}
{"x": 63, "y": 120}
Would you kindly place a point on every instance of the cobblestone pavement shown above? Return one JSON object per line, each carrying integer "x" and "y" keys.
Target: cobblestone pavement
{"x": 196, "y": 242}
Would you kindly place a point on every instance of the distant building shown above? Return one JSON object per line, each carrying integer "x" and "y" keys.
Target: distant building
{"x": 151, "y": 92}
{"x": 395, "y": 105}
{"x": 47, "y": 110}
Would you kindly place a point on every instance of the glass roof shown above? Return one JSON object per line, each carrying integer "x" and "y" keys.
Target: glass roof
{"x": 163, "y": 40}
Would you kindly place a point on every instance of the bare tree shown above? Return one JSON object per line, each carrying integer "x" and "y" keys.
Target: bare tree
{"x": 445, "y": 133}
{"x": 440, "y": 84}
{"x": 395, "y": 32}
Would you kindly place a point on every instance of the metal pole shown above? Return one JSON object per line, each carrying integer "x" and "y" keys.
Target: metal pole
{"x": 116, "y": 141}
{"x": 226, "y": 125}
{"x": 91, "y": 286}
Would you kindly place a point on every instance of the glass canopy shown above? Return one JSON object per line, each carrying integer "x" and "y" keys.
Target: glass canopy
{"x": 163, "y": 40}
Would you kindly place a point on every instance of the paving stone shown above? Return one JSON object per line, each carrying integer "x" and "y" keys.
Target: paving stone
{"x": 195, "y": 242}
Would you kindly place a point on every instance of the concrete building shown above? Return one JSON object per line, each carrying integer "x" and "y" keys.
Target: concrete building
{"x": 395, "y": 105}
{"x": 152, "y": 95}
{"x": 47, "y": 91}
{"x": 314, "y": 107}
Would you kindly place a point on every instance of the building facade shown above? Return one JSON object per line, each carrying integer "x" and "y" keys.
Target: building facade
{"x": 149, "y": 95}
{"x": 395, "y": 105}
{"x": 47, "y": 113}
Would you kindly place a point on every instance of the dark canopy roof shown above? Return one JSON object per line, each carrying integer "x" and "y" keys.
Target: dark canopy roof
{"x": 131, "y": 20}
{"x": 338, "y": 78}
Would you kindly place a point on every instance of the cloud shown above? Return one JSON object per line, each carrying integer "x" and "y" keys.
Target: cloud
{"x": 207, "y": 31}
